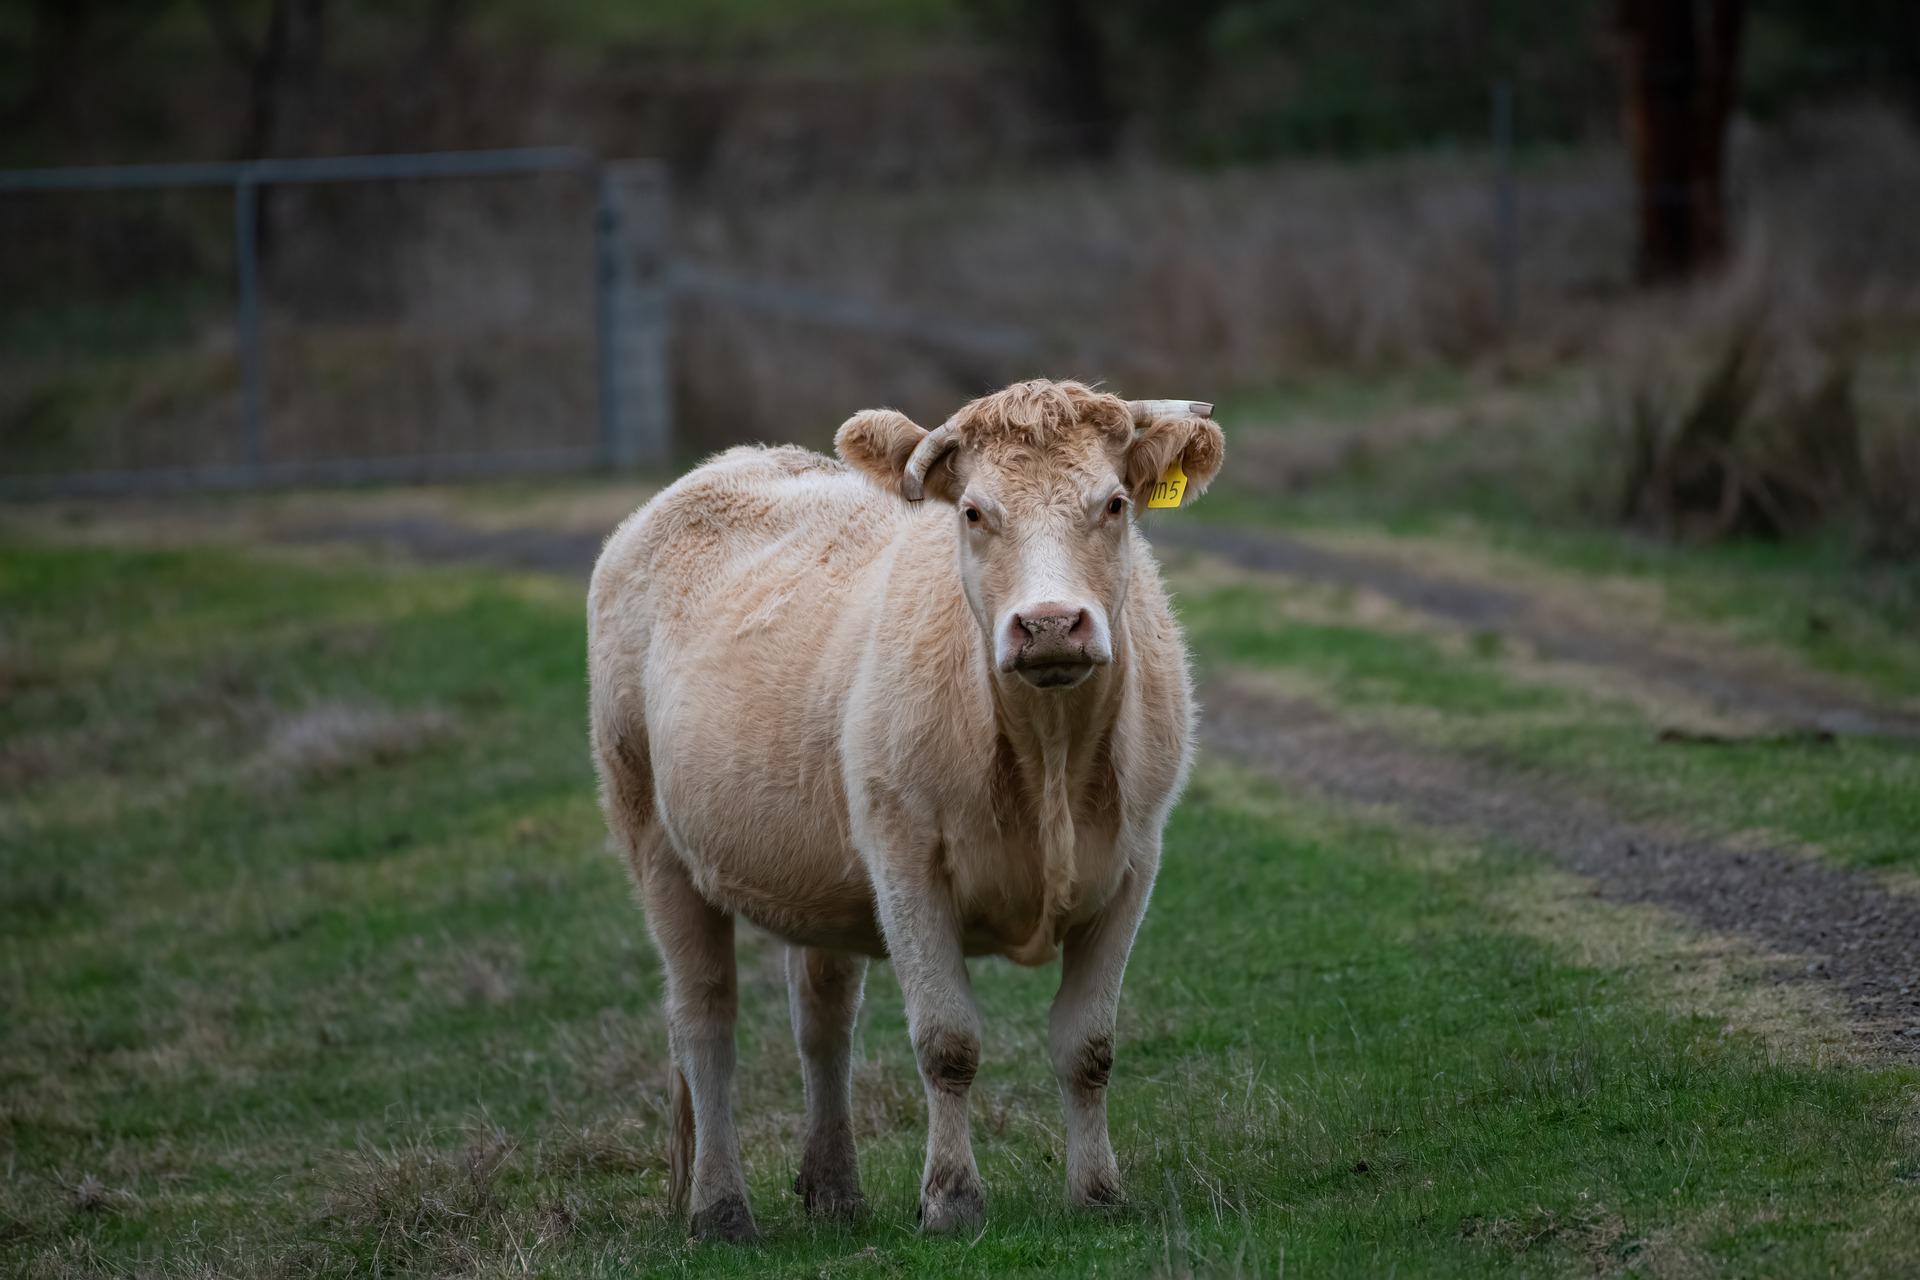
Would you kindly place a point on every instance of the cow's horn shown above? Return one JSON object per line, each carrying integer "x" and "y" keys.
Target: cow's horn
{"x": 1146, "y": 412}
{"x": 932, "y": 447}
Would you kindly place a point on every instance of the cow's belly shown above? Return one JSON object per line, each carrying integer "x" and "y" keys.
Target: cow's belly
{"x": 772, "y": 846}
{"x": 761, "y": 856}
{"x": 749, "y": 793}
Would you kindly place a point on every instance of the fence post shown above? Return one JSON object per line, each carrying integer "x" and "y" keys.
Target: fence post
{"x": 246, "y": 248}
{"x": 1506, "y": 249}
{"x": 634, "y": 304}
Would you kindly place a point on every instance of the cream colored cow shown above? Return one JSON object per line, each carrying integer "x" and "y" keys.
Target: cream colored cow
{"x": 876, "y": 725}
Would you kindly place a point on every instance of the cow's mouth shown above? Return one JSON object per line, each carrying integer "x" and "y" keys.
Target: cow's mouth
{"x": 1064, "y": 674}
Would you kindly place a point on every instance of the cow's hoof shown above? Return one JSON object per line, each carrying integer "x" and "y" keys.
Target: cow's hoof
{"x": 1098, "y": 1195}
{"x": 830, "y": 1193}
{"x": 955, "y": 1204}
{"x": 728, "y": 1219}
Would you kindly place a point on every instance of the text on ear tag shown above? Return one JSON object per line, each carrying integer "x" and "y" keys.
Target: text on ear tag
{"x": 1170, "y": 487}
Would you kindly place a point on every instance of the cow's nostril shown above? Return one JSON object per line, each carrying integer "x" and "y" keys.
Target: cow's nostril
{"x": 1055, "y": 620}
{"x": 1060, "y": 622}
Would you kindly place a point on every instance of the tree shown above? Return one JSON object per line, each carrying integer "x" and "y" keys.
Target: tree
{"x": 65, "y": 38}
{"x": 283, "y": 63}
{"x": 1679, "y": 72}
{"x": 1098, "y": 63}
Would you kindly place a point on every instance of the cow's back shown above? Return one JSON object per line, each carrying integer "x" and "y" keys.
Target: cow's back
{"x": 723, "y": 617}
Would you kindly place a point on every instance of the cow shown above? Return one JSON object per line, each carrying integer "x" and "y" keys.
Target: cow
{"x": 924, "y": 703}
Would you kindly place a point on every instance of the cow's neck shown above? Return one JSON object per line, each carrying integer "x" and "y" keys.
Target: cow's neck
{"x": 1058, "y": 732}
{"x": 1057, "y": 741}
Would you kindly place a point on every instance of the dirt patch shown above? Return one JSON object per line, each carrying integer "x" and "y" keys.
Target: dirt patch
{"x": 331, "y": 738}
{"x": 440, "y": 541}
{"x": 1725, "y": 681}
{"x": 1842, "y": 926}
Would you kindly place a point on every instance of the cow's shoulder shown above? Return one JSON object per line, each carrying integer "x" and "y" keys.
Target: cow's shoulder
{"x": 1153, "y": 738}
{"x": 738, "y": 501}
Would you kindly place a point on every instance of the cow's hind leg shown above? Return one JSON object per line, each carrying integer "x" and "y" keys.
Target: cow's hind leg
{"x": 696, "y": 949}
{"x": 823, "y": 993}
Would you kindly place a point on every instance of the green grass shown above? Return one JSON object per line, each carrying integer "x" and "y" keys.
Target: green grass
{"x": 392, "y": 1012}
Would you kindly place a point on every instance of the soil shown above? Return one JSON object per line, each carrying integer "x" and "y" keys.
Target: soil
{"x": 437, "y": 541}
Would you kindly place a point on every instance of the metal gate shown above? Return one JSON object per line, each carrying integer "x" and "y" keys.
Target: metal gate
{"x": 536, "y": 383}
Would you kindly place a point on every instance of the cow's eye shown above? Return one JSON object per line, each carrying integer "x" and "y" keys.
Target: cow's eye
{"x": 973, "y": 515}
{"x": 1116, "y": 505}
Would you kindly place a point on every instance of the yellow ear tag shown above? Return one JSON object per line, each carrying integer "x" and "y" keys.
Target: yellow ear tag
{"x": 1170, "y": 487}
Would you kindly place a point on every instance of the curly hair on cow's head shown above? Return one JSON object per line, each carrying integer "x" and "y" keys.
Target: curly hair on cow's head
{"x": 1041, "y": 413}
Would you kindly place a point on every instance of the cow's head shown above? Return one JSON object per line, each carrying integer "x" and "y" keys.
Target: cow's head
{"x": 1043, "y": 479}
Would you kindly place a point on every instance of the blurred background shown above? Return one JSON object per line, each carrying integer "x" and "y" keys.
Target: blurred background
{"x": 1544, "y": 900}
{"x": 1691, "y": 224}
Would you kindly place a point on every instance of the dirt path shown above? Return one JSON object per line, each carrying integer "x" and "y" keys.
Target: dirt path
{"x": 1794, "y": 700}
{"x": 438, "y": 541}
{"x": 1851, "y": 931}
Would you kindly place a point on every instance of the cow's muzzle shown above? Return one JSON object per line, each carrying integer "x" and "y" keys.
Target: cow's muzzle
{"x": 1053, "y": 646}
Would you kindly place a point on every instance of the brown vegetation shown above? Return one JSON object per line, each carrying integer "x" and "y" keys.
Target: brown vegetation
{"x": 1253, "y": 275}
{"x": 1758, "y": 430}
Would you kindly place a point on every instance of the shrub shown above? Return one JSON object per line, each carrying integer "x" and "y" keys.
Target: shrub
{"x": 1758, "y": 440}
{"x": 1891, "y": 508}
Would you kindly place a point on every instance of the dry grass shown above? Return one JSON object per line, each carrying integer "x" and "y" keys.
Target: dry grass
{"x": 1763, "y": 403}
{"x": 1141, "y": 276}
{"x": 422, "y": 1206}
{"x": 490, "y": 974}
{"x": 331, "y": 738}
{"x": 1150, "y": 277}
{"x": 1891, "y": 501}
{"x": 1758, "y": 429}
{"x": 1735, "y": 450}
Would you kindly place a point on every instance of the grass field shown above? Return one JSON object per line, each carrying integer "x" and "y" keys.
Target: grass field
{"x": 313, "y": 960}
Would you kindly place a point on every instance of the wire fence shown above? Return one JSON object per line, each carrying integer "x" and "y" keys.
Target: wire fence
{"x": 447, "y": 325}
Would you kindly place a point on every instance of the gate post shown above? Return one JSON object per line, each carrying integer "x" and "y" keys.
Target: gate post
{"x": 246, "y": 254}
{"x": 634, "y": 303}
{"x": 1506, "y": 234}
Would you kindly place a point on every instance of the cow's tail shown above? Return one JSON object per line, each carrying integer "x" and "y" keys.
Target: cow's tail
{"x": 1056, "y": 843}
{"x": 679, "y": 1140}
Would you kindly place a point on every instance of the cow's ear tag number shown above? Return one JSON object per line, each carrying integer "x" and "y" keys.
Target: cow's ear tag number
{"x": 1170, "y": 487}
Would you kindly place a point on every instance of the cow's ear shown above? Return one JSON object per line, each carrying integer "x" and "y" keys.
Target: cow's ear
{"x": 1195, "y": 443}
{"x": 878, "y": 442}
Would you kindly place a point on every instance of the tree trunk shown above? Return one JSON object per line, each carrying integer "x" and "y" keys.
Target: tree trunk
{"x": 283, "y": 70}
{"x": 1679, "y": 71}
{"x": 1078, "y": 76}
{"x": 285, "y": 66}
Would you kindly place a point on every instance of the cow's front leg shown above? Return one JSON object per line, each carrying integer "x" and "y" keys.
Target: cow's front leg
{"x": 923, "y": 941}
{"x": 823, "y": 990}
{"x": 1080, "y": 1034}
